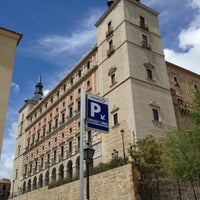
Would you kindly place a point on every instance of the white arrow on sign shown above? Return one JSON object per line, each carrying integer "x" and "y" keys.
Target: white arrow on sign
{"x": 103, "y": 117}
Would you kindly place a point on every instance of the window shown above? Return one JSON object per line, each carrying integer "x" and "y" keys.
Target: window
{"x": 144, "y": 41}
{"x": 62, "y": 151}
{"x": 70, "y": 146}
{"x": 50, "y": 127}
{"x": 57, "y": 94}
{"x": 54, "y": 155}
{"x": 56, "y": 123}
{"x": 70, "y": 130}
{"x": 55, "y": 139}
{"x": 79, "y": 106}
{"x": 33, "y": 139}
{"x": 88, "y": 65}
{"x": 49, "y": 144}
{"x": 115, "y": 119}
{"x": 19, "y": 149}
{"x": 79, "y": 73}
{"x": 64, "y": 87}
{"x": 110, "y": 44}
{"x": 110, "y": 29}
{"x": 149, "y": 74}
{"x": 176, "y": 81}
{"x": 71, "y": 112}
{"x": 112, "y": 78}
{"x": 109, "y": 25}
{"x": 88, "y": 83}
{"x": 38, "y": 136}
{"x": 71, "y": 97}
{"x": 16, "y": 173}
{"x": 195, "y": 86}
{"x": 63, "y": 135}
{"x": 63, "y": 117}
{"x": 78, "y": 142}
{"x": 155, "y": 114}
{"x": 72, "y": 81}
{"x": 48, "y": 158}
{"x": 44, "y": 130}
{"x": 110, "y": 48}
{"x": 42, "y": 161}
{"x": 30, "y": 168}
{"x": 36, "y": 165}
{"x": 142, "y": 22}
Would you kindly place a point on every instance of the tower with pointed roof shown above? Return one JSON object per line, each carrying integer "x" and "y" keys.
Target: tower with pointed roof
{"x": 38, "y": 94}
{"x": 21, "y": 132}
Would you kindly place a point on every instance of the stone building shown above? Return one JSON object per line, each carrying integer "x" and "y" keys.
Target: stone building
{"x": 8, "y": 42}
{"x": 183, "y": 84}
{"x": 4, "y": 188}
{"x": 127, "y": 66}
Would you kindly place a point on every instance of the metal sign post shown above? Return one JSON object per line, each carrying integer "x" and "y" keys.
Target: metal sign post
{"x": 82, "y": 130}
{"x": 97, "y": 118}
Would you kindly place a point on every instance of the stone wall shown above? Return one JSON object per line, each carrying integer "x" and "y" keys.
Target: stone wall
{"x": 117, "y": 184}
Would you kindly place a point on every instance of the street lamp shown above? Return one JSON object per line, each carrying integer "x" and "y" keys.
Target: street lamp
{"x": 122, "y": 134}
{"x": 88, "y": 155}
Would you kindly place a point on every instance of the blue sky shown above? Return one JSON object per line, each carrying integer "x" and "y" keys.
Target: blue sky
{"x": 56, "y": 34}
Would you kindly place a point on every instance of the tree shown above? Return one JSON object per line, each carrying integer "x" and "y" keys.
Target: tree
{"x": 181, "y": 149}
{"x": 181, "y": 154}
{"x": 195, "y": 109}
{"x": 146, "y": 154}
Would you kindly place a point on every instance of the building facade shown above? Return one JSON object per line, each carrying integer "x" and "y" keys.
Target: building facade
{"x": 183, "y": 84}
{"x": 8, "y": 42}
{"x": 127, "y": 66}
{"x": 4, "y": 188}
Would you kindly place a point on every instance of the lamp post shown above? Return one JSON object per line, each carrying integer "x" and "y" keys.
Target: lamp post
{"x": 88, "y": 155}
{"x": 122, "y": 134}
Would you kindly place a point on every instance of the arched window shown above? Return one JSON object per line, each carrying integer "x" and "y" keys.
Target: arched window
{"x": 40, "y": 184}
{"x": 69, "y": 170}
{"x": 24, "y": 187}
{"x": 29, "y": 185}
{"x": 77, "y": 166}
{"x": 53, "y": 174}
{"x": 35, "y": 183}
{"x": 47, "y": 178}
{"x": 61, "y": 171}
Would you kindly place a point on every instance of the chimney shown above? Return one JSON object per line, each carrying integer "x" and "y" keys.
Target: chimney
{"x": 109, "y": 2}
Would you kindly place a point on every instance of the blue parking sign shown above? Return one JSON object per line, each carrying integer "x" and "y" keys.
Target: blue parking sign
{"x": 97, "y": 113}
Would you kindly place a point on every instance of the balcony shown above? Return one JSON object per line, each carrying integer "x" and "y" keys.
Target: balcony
{"x": 146, "y": 45}
{"x": 144, "y": 26}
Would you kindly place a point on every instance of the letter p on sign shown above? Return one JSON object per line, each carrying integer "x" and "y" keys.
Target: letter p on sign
{"x": 95, "y": 108}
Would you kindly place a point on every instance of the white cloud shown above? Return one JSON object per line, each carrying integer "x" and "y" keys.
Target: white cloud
{"x": 15, "y": 87}
{"x": 189, "y": 43}
{"x": 12, "y": 131}
{"x": 58, "y": 47}
{"x": 45, "y": 92}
